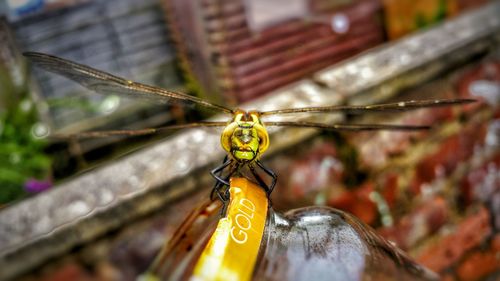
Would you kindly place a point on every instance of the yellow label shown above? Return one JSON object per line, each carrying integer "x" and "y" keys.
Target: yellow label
{"x": 232, "y": 250}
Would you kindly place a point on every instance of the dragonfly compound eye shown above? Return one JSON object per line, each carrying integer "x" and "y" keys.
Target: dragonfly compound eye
{"x": 226, "y": 136}
{"x": 263, "y": 137}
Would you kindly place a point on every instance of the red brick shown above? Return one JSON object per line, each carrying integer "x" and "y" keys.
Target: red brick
{"x": 70, "y": 271}
{"x": 473, "y": 184}
{"x": 489, "y": 71}
{"x": 451, "y": 152}
{"x": 311, "y": 172}
{"x": 390, "y": 190}
{"x": 451, "y": 248}
{"x": 447, "y": 277}
{"x": 478, "y": 265}
{"x": 420, "y": 223}
{"x": 357, "y": 202}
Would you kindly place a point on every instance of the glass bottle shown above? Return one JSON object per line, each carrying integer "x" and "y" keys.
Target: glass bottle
{"x": 313, "y": 243}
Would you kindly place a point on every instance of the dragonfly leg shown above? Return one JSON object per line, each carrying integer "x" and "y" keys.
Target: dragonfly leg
{"x": 217, "y": 172}
{"x": 216, "y": 190}
{"x": 221, "y": 182}
{"x": 222, "y": 197}
{"x": 223, "y": 194}
{"x": 271, "y": 174}
{"x": 259, "y": 179}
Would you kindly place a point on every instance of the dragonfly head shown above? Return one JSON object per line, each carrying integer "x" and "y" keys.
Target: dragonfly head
{"x": 245, "y": 137}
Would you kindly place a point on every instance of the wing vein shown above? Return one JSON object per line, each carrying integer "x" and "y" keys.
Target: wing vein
{"x": 138, "y": 132}
{"x": 106, "y": 83}
{"x": 388, "y": 107}
{"x": 348, "y": 127}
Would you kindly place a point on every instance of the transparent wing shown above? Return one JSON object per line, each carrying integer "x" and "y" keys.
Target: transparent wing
{"x": 105, "y": 83}
{"x": 348, "y": 127}
{"x": 139, "y": 132}
{"x": 359, "y": 109}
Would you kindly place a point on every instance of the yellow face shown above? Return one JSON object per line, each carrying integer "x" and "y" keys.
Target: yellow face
{"x": 245, "y": 138}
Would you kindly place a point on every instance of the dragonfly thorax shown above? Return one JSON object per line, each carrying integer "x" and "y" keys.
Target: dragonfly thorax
{"x": 245, "y": 137}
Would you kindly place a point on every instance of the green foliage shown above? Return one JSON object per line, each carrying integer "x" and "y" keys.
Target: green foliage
{"x": 21, "y": 154}
{"x": 440, "y": 15}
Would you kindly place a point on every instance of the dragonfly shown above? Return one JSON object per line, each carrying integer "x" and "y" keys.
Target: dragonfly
{"x": 244, "y": 136}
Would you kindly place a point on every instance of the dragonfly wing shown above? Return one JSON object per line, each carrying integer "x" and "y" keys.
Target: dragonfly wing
{"x": 348, "y": 127}
{"x": 139, "y": 132}
{"x": 387, "y": 107}
{"x": 105, "y": 83}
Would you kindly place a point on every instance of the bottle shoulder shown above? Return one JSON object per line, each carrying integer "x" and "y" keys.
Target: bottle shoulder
{"x": 322, "y": 243}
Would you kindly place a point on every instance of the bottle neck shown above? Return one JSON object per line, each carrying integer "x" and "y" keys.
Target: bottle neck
{"x": 232, "y": 251}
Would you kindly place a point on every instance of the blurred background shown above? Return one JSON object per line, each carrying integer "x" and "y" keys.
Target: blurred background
{"x": 109, "y": 204}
